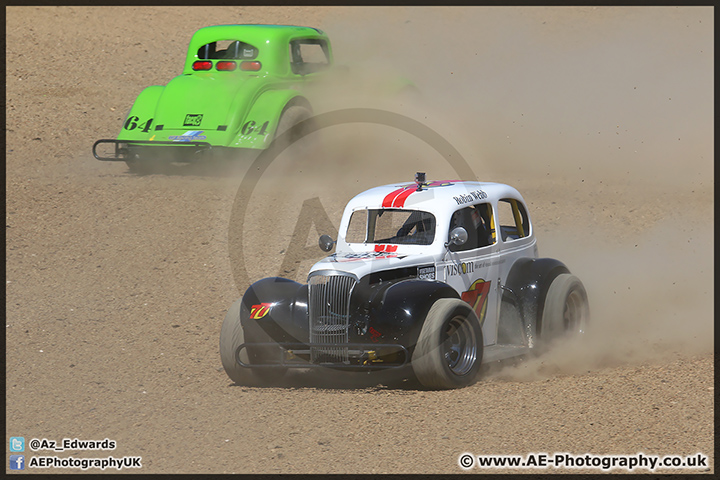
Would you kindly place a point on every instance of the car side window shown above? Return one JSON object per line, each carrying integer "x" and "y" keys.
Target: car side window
{"x": 357, "y": 228}
{"x": 309, "y": 56}
{"x": 479, "y": 222}
{"x": 227, "y": 49}
{"x": 513, "y": 220}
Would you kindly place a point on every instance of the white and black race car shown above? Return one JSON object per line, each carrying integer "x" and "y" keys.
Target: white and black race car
{"x": 440, "y": 276}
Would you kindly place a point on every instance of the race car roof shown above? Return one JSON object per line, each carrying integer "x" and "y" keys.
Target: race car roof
{"x": 436, "y": 196}
{"x": 252, "y": 33}
{"x": 270, "y": 40}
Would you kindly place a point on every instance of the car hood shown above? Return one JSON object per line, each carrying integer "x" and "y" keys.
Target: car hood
{"x": 364, "y": 263}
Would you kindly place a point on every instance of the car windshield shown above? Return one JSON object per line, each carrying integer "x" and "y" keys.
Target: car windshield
{"x": 393, "y": 226}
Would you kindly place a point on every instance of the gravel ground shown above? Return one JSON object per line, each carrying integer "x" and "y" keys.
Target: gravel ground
{"x": 117, "y": 283}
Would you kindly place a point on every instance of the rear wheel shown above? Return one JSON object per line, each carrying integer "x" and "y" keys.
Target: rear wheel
{"x": 289, "y": 118}
{"x": 135, "y": 166}
{"x": 450, "y": 346}
{"x": 566, "y": 311}
{"x": 140, "y": 162}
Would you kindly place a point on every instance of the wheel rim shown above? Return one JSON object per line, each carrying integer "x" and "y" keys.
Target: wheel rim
{"x": 460, "y": 346}
{"x": 574, "y": 313}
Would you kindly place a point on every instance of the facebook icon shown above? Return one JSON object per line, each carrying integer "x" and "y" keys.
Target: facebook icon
{"x": 17, "y": 462}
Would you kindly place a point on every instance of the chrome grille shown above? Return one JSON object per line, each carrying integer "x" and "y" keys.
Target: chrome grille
{"x": 329, "y": 310}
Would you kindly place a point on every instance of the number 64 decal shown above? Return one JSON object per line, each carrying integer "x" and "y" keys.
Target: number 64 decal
{"x": 133, "y": 122}
{"x": 250, "y": 125}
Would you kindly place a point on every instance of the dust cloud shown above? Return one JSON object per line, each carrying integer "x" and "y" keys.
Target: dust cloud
{"x": 616, "y": 91}
{"x": 601, "y": 116}
{"x": 651, "y": 300}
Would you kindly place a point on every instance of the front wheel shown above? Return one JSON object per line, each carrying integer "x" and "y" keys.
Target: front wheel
{"x": 566, "y": 311}
{"x": 450, "y": 346}
{"x": 232, "y": 336}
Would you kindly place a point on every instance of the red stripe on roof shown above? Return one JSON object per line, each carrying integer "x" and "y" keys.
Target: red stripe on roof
{"x": 399, "y": 201}
{"x": 397, "y": 198}
{"x": 390, "y": 197}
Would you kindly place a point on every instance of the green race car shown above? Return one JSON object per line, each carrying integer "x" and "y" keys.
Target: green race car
{"x": 240, "y": 87}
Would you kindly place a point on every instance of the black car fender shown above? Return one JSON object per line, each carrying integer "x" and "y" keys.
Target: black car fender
{"x": 394, "y": 311}
{"x": 527, "y": 285}
{"x": 275, "y": 310}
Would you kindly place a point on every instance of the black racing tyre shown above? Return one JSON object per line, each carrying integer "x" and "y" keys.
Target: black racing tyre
{"x": 149, "y": 167}
{"x": 450, "y": 346}
{"x": 566, "y": 311}
{"x": 138, "y": 163}
{"x": 290, "y": 117}
{"x": 231, "y": 337}
{"x": 136, "y": 166}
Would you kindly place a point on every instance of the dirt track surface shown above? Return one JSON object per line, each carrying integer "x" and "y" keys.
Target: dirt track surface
{"x": 117, "y": 283}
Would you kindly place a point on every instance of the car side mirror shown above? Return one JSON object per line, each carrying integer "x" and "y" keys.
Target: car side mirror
{"x": 326, "y": 242}
{"x": 458, "y": 236}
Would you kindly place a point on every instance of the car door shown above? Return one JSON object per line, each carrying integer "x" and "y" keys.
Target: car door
{"x": 473, "y": 268}
{"x": 516, "y": 241}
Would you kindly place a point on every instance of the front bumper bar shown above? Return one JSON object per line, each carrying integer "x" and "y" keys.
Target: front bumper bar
{"x": 364, "y": 355}
{"x": 123, "y": 148}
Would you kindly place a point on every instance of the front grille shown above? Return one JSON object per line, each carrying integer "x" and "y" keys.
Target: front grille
{"x": 329, "y": 310}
